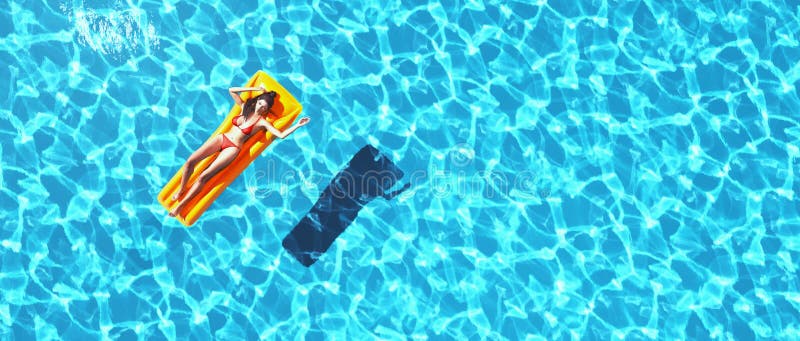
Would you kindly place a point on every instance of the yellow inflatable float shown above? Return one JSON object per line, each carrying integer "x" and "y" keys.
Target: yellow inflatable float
{"x": 282, "y": 115}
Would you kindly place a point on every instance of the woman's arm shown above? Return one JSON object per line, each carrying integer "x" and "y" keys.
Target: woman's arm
{"x": 242, "y": 89}
{"x": 234, "y": 92}
{"x": 283, "y": 134}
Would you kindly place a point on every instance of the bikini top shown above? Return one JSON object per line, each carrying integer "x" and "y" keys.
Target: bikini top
{"x": 245, "y": 131}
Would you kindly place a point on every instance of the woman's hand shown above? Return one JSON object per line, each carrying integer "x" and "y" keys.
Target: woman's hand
{"x": 262, "y": 88}
{"x": 303, "y": 121}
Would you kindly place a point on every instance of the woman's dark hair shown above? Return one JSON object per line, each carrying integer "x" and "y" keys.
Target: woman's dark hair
{"x": 250, "y": 105}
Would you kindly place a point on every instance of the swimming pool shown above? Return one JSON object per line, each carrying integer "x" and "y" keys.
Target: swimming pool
{"x": 600, "y": 170}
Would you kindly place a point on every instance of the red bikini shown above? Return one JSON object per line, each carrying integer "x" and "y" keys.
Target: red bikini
{"x": 226, "y": 142}
{"x": 245, "y": 131}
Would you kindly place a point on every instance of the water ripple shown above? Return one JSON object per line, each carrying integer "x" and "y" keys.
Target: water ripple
{"x": 597, "y": 170}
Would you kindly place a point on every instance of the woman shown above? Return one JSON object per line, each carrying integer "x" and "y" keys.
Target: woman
{"x": 250, "y": 122}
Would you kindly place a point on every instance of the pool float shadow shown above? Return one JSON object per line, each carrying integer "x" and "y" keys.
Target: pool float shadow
{"x": 368, "y": 175}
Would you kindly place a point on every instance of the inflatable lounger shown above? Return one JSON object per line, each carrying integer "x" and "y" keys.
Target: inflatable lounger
{"x": 283, "y": 113}
{"x": 368, "y": 174}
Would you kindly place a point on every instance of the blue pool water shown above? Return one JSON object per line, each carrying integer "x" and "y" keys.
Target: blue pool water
{"x": 592, "y": 170}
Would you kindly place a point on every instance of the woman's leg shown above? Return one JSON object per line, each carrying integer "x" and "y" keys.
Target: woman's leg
{"x": 225, "y": 157}
{"x": 207, "y": 149}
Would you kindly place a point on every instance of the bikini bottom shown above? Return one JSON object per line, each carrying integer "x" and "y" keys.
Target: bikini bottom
{"x": 226, "y": 142}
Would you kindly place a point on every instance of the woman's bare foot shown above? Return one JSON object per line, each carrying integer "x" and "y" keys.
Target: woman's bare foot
{"x": 174, "y": 212}
{"x": 177, "y": 196}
